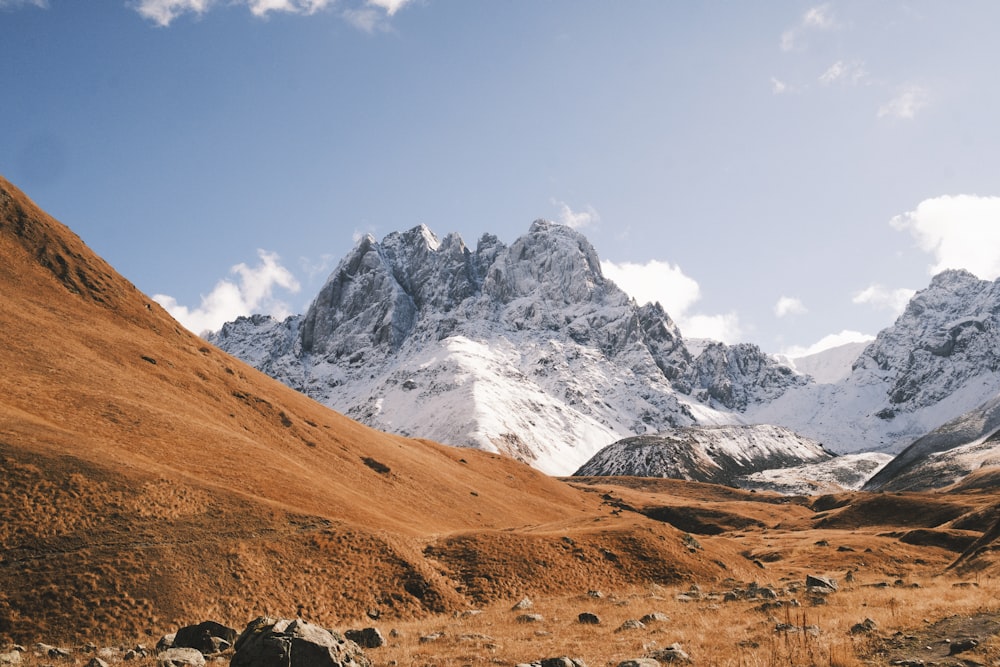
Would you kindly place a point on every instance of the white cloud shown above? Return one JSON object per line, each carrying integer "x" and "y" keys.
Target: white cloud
{"x": 905, "y": 105}
{"x": 657, "y": 281}
{"x": 576, "y": 219}
{"x": 827, "y": 342}
{"x": 961, "y": 232}
{"x": 819, "y": 17}
{"x": 14, "y": 4}
{"x": 252, "y": 292}
{"x": 366, "y": 16}
{"x": 778, "y": 87}
{"x": 788, "y": 305}
{"x": 884, "y": 298}
{"x": 850, "y": 73}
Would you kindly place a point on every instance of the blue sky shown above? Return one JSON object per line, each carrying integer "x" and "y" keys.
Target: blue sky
{"x": 771, "y": 172}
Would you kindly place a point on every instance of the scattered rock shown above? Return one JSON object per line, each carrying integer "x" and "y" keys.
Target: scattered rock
{"x": 529, "y": 618}
{"x": 631, "y": 624}
{"x": 366, "y": 637}
{"x": 524, "y": 603}
{"x": 294, "y": 643}
{"x": 562, "y": 662}
{"x": 673, "y": 653}
{"x": 97, "y": 662}
{"x": 655, "y": 617}
{"x": 595, "y": 594}
{"x": 865, "y": 627}
{"x": 639, "y": 662}
{"x": 208, "y": 637}
{"x": 10, "y": 658}
{"x": 166, "y": 641}
{"x": 588, "y": 619}
{"x": 433, "y": 637}
{"x": 181, "y": 657}
{"x": 818, "y": 584}
{"x": 962, "y": 645}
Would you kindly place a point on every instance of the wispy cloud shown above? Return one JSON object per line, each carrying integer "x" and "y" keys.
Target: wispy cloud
{"x": 778, "y": 87}
{"x": 847, "y": 73}
{"x": 576, "y": 219}
{"x": 907, "y": 102}
{"x": 884, "y": 298}
{"x": 251, "y": 292}
{"x": 366, "y": 15}
{"x": 16, "y": 4}
{"x": 819, "y": 17}
{"x": 788, "y": 305}
{"x": 662, "y": 282}
{"x": 961, "y": 232}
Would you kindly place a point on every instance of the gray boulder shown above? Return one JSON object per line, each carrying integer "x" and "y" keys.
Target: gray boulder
{"x": 269, "y": 642}
{"x": 366, "y": 637}
{"x": 673, "y": 653}
{"x": 180, "y": 657}
{"x": 208, "y": 637}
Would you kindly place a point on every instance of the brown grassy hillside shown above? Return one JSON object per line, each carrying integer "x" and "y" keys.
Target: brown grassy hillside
{"x": 147, "y": 478}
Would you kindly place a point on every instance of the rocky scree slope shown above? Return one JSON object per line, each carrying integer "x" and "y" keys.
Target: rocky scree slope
{"x": 717, "y": 455}
{"x": 524, "y": 349}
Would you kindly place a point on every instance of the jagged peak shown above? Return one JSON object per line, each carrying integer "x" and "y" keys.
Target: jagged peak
{"x": 952, "y": 277}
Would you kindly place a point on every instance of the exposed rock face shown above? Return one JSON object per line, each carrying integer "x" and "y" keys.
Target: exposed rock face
{"x": 719, "y": 454}
{"x": 938, "y": 361}
{"x": 526, "y": 350}
{"x": 267, "y": 642}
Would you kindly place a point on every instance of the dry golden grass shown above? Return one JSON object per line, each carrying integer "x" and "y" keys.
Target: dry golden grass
{"x": 149, "y": 481}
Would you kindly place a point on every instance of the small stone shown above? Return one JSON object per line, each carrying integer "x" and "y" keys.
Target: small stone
{"x": 528, "y": 618}
{"x": 631, "y": 624}
{"x": 524, "y": 603}
{"x": 97, "y": 662}
{"x": 673, "y": 653}
{"x": 655, "y": 617}
{"x": 10, "y": 658}
{"x": 181, "y": 657}
{"x": 433, "y": 637}
{"x": 588, "y": 619}
{"x": 639, "y": 662}
{"x": 819, "y": 583}
{"x": 865, "y": 627}
{"x": 366, "y": 637}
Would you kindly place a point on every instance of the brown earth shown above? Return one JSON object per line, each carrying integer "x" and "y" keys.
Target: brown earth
{"x": 148, "y": 480}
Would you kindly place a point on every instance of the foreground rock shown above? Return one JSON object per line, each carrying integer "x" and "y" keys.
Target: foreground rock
{"x": 208, "y": 637}
{"x": 269, "y": 642}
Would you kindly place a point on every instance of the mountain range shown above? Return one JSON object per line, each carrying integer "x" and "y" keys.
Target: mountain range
{"x": 149, "y": 480}
{"x": 528, "y": 350}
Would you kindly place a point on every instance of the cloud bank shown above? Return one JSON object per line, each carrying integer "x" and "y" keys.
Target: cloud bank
{"x": 367, "y": 16}
{"x": 961, "y": 232}
{"x": 251, "y": 292}
{"x": 905, "y": 105}
{"x": 657, "y": 281}
{"x": 884, "y": 298}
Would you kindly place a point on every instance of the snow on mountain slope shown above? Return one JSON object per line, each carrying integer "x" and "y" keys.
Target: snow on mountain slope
{"x": 946, "y": 454}
{"x": 847, "y": 472}
{"x": 718, "y": 455}
{"x": 526, "y": 349}
{"x": 828, "y": 366}
{"x": 940, "y": 359}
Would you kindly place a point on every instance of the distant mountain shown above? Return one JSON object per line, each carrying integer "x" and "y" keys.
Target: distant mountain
{"x": 717, "y": 455}
{"x": 848, "y": 472}
{"x": 830, "y": 365}
{"x": 524, "y": 349}
{"x": 947, "y": 454}
{"x": 939, "y": 360}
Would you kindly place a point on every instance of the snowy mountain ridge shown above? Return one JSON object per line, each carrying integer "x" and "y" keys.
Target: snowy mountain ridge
{"x": 530, "y": 351}
{"x": 526, "y": 350}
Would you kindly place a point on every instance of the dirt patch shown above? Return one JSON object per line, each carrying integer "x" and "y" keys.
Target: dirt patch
{"x": 949, "y": 642}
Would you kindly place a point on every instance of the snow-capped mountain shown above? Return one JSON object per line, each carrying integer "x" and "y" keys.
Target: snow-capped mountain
{"x": 530, "y": 351}
{"x": 939, "y": 360}
{"x": 523, "y": 349}
{"x": 718, "y": 455}
{"x": 945, "y": 455}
